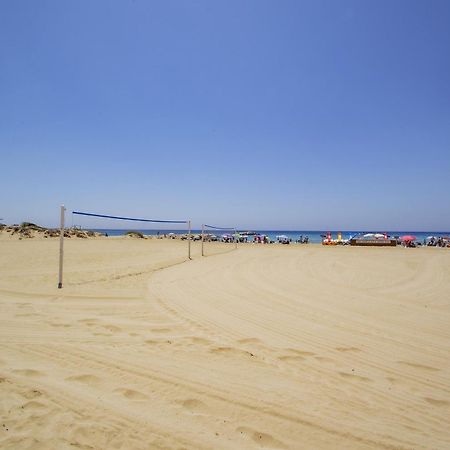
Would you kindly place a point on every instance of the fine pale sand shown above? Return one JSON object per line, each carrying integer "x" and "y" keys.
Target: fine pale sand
{"x": 279, "y": 347}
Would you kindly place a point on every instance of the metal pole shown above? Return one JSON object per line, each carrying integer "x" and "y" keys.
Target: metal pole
{"x": 203, "y": 239}
{"x": 189, "y": 240}
{"x": 61, "y": 247}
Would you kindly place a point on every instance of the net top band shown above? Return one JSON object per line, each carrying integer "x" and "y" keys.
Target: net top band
{"x": 80, "y": 213}
{"x": 219, "y": 228}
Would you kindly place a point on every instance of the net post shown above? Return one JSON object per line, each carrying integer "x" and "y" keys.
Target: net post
{"x": 203, "y": 239}
{"x": 235, "y": 239}
{"x": 189, "y": 239}
{"x": 61, "y": 247}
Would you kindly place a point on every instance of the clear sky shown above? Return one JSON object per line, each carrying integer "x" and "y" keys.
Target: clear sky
{"x": 259, "y": 114}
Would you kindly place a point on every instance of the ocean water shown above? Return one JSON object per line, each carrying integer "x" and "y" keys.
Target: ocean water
{"x": 314, "y": 235}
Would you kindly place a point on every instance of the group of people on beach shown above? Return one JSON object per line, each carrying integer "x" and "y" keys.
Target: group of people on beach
{"x": 434, "y": 241}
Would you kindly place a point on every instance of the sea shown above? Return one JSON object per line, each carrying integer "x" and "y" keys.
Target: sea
{"x": 315, "y": 236}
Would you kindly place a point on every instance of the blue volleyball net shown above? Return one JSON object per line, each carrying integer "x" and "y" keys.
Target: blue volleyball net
{"x": 105, "y": 216}
{"x": 123, "y": 224}
{"x": 212, "y": 233}
{"x": 85, "y": 224}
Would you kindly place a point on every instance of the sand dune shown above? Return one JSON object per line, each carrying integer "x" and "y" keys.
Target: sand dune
{"x": 276, "y": 347}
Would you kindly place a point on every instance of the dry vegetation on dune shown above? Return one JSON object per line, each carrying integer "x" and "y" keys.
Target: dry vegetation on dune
{"x": 30, "y": 230}
{"x": 273, "y": 347}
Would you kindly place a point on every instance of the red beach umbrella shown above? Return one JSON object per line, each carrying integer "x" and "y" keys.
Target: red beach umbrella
{"x": 408, "y": 238}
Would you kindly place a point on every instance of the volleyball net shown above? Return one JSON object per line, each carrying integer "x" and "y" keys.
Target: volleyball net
{"x": 133, "y": 219}
{"x": 162, "y": 227}
{"x": 212, "y": 233}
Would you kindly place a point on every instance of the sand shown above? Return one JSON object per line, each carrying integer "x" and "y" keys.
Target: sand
{"x": 274, "y": 347}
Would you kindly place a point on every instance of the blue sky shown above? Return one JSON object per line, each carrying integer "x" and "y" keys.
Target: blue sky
{"x": 260, "y": 114}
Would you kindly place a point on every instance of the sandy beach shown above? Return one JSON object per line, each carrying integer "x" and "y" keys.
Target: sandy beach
{"x": 268, "y": 346}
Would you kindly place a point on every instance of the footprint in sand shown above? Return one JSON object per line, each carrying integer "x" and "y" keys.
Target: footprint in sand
{"x": 112, "y": 328}
{"x": 195, "y": 406}
{"x": 160, "y": 330}
{"x": 262, "y": 439}
{"x": 437, "y": 402}
{"x": 199, "y": 341}
{"x": 324, "y": 359}
{"x": 31, "y": 393}
{"x": 89, "y": 322}
{"x": 33, "y": 405}
{"x": 231, "y": 351}
{"x": 90, "y": 380}
{"x": 419, "y": 366}
{"x": 354, "y": 376}
{"x": 348, "y": 349}
{"x": 158, "y": 342}
{"x": 82, "y": 432}
{"x": 131, "y": 394}
{"x": 58, "y": 325}
{"x": 250, "y": 341}
{"x": 29, "y": 372}
{"x": 295, "y": 355}
{"x": 23, "y": 305}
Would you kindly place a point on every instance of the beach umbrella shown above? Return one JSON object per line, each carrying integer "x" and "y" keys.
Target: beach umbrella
{"x": 369, "y": 235}
{"x": 408, "y": 238}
